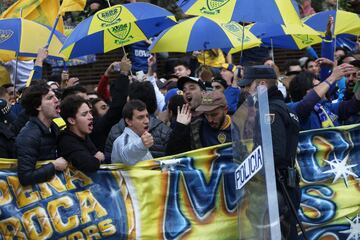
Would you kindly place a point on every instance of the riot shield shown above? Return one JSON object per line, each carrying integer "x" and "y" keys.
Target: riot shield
{"x": 258, "y": 215}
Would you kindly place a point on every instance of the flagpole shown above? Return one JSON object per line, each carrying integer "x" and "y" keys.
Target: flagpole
{"x": 122, "y": 46}
{"x": 272, "y": 50}
{"x": 16, "y": 62}
{"x": 242, "y": 42}
{"x": 52, "y": 31}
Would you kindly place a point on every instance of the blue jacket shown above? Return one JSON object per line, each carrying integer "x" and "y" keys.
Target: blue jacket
{"x": 232, "y": 95}
{"x": 309, "y": 119}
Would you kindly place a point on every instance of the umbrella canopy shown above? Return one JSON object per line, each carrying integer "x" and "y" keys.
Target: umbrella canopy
{"x": 115, "y": 27}
{"x": 285, "y": 36}
{"x": 344, "y": 22}
{"x": 201, "y": 33}
{"x": 270, "y": 11}
{"x": 24, "y": 38}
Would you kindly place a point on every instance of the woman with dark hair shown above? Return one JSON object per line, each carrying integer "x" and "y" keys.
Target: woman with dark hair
{"x": 311, "y": 106}
{"x": 74, "y": 142}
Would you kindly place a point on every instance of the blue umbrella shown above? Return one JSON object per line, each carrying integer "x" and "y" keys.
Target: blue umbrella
{"x": 115, "y": 27}
{"x": 202, "y": 33}
{"x": 269, "y": 11}
{"x": 285, "y": 36}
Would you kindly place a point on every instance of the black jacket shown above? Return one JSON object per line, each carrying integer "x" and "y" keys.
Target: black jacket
{"x": 7, "y": 142}
{"x": 36, "y": 142}
{"x": 102, "y": 126}
{"x": 284, "y": 130}
{"x": 80, "y": 152}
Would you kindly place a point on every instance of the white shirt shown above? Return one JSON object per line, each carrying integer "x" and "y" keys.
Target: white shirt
{"x": 129, "y": 149}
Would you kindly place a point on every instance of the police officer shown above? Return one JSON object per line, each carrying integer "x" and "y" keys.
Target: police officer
{"x": 284, "y": 131}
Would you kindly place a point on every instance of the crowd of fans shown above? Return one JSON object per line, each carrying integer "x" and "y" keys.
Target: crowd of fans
{"x": 137, "y": 112}
{"x": 143, "y": 116}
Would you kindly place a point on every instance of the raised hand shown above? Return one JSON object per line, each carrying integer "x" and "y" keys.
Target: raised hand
{"x": 341, "y": 71}
{"x": 184, "y": 114}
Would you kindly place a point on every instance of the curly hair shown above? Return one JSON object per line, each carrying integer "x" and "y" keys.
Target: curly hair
{"x": 32, "y": 97}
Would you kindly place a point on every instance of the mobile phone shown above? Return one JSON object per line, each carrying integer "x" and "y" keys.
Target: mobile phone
{"x": 140, "y": 75}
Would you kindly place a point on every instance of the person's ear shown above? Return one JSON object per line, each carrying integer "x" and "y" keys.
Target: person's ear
{"x": 71, "y": 120}
{"x": 128, "y": 122}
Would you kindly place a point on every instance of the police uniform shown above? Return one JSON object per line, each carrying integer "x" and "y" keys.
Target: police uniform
{"x": 285, "y": 132}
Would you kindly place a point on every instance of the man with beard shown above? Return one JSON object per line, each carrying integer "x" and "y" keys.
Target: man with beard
{"x": 133, "y": 144}
{"x": 212, "y": 129}
{"x": 37, "y": 139}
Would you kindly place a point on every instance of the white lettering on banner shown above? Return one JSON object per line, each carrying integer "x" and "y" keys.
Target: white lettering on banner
{"x": 249, "y": 167}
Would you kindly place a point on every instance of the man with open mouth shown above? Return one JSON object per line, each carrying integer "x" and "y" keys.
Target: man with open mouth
{"x": 75, "y": 144}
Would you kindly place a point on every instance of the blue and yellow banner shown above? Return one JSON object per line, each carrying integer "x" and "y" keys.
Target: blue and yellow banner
{"x": 190, "y": 196}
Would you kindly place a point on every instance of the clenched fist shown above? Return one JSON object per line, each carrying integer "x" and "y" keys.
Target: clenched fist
{"x": 147, "y": 139}
{"x": 60, "y": 164}
{"x": 100, "y": 156}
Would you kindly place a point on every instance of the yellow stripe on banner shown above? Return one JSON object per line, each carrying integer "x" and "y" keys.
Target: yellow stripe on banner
{"x": 109, "y": 17}
{"x": 172, "y": 41}
{"x": 221, "y": 10}
{"x": 288, "y": 12}
{"x": 122, "y": 35}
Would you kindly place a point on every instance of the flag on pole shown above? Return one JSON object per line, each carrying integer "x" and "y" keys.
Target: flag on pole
{"x": 41, "y": 11}
{"x": 72, "y": 6}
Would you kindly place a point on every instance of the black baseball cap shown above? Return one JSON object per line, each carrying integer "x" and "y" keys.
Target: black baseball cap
{"x": 256, "y": 72}
{"x": 183, "y": 80}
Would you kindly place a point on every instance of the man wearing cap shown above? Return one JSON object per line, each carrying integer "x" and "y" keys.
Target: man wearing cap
{"x": 284, "y": 131}
{"x": 213, "y": 129}
{"x": 192, "y": 92}
{"x": 232, "y": 93}
{"x": 219, "y": 85}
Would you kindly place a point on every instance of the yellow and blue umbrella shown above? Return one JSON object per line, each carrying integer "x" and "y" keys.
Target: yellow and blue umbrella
{"x": 202, "y": 33}
{"x": 116, "y": 27}
{"x": 344, "y": 22}
{"x": 23, "y": 38}
{"x": 285, "y": 36}
{"x": 270, "y": 11}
